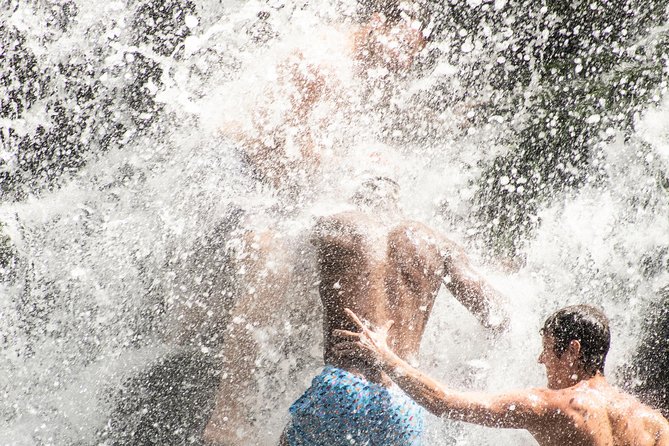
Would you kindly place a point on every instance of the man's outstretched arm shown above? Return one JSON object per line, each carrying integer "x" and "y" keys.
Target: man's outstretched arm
{"x": 521, "y": 409}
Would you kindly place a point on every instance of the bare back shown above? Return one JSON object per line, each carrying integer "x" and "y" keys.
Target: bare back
{"x": 380, "y": 271}
{"x": 593, "y": 413}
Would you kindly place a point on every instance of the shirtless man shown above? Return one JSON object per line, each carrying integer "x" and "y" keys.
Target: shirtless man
{"x": 280, "y": 143}
{"x": 579, "y": 407}
{"x": 383, "y": 267}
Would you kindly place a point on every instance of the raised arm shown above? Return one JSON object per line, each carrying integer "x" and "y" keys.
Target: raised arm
{"x": 663, "y": 432}
{"x": 472, "y": 290}
{"x": 278, "y": 141}
{"x": 521, "y": 409}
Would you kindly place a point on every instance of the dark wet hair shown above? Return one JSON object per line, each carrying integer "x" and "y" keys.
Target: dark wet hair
{"x": 371, "y": 191}
{"x": 583, "y": 323}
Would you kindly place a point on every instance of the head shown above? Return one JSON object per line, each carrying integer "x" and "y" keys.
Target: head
{"x": 376, "y": 169}
{"x": 378, "y": 192}
{"x": 576, "y": 340}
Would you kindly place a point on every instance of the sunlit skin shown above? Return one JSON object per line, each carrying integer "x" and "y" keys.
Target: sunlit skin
{"x": 576, "y": 409}
{"x": 264, "y": 146}
{"x": 389, "y": 268}
{"x": 561, "y": 371}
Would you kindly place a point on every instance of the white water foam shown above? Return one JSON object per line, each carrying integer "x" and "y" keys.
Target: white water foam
{"x": 87, "y": 310}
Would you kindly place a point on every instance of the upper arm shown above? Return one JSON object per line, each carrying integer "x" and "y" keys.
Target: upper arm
{"x": 472, "y": 290}
{"x": 663, "y": 434}
{"x": 464, "y": 280}
{"x": 524, "y": 409}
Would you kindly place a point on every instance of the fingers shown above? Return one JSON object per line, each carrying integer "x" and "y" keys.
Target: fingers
{"x": 347, "y": 353}
{"x": 354, "y": 318}
{"x": 345, "y": 334}
{"x": 369, "y": 332}
{"x": 356, "y": 350}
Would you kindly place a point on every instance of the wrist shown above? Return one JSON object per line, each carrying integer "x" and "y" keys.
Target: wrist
{"x": 391, "y": 363}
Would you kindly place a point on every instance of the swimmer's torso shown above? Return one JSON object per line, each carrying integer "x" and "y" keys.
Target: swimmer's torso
{"x": 382, "y": 272}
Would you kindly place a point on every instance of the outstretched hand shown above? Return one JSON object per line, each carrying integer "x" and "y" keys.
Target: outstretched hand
{"x": 370, "y": 346}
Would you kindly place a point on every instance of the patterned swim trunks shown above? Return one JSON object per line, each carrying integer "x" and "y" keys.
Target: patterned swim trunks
{"x": 341, "y": 408}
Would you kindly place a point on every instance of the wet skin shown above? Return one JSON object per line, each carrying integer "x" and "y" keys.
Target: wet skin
{"x": 577, "y": 409}
{"x": 389, "y": 272}
{"x": 591, "y": 411}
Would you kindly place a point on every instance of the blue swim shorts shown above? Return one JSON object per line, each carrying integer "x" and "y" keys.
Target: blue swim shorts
{"x": 343, "y": 409}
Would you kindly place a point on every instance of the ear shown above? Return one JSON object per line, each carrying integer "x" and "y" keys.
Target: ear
{"x": 574, "y": 348}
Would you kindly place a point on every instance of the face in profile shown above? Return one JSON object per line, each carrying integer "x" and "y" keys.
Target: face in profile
{"x": 380, "y": 43}
{"x": 555, "y": 367}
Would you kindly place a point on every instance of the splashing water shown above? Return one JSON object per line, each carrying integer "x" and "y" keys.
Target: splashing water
{"x": 125, "y": 199}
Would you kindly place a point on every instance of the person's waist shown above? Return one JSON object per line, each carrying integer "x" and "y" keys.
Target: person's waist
{"x": 354, "y": 376}
{"x": 364, "y": 371}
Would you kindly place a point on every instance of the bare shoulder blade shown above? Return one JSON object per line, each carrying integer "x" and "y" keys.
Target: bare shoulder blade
{"x": 637, "y": 424}
{"x": 416, "y": 249}
{"x": 338, "y": 228}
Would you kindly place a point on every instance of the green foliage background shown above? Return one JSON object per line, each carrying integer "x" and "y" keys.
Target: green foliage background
{"x": 560, "y": 73}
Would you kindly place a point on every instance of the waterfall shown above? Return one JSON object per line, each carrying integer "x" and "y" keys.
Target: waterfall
{"x": 126, "y": 193}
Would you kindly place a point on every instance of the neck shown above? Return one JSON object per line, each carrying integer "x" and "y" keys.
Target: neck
{"x": 383, "y": 210}
{"x": 580, "y": 376}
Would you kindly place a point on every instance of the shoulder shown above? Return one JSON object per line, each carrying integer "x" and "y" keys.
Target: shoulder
{"x": 628, "y": 411}
{"x": 344, "y": 227}
{"x": 663, "y": 431}
{"x": 421, "y": 234}
{"x": 564, "y": 403}
{"x": 629, "y": 406}
{"x": 550, "y": 400}
{"x": 651, "y": 419}
{"x": 340, "y": 221}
